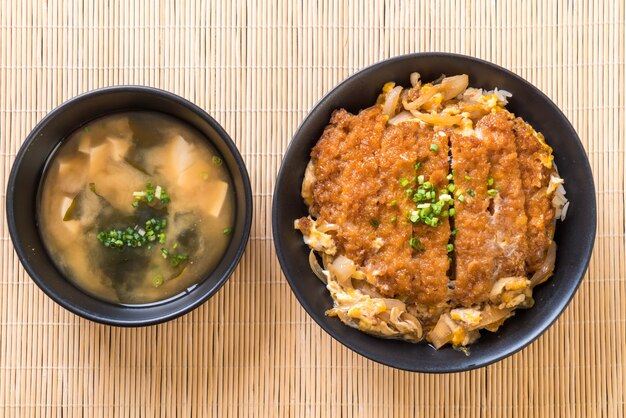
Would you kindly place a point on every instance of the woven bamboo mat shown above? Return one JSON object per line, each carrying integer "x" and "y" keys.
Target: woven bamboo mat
{"x": 258, "y": 67}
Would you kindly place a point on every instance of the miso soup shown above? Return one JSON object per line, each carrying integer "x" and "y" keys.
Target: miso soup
{"x": 136, "y": 207}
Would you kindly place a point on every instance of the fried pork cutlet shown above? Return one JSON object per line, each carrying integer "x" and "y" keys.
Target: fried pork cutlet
{"x": 431, "y": 222}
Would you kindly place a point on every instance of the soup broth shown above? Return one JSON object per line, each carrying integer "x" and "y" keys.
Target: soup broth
{"x": 136, "y": 207}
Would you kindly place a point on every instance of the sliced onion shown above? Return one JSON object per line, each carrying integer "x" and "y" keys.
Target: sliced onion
{"x": 307, "y": 183}
{"x": 403, "y": 116}
{"x": 342, "y": 268}
{"x": 546, "y": 268}
{"x": 317, "y": 269}
{"x": 439, "y": 79}
{"x": 367, "y": 289}
{"x": 394, "y": 303}
{"x": 422, "y": 99}
{"x": 500, "y": 285}
{"x": 391, "y": 101}
{"x": 441, "y": 334}
{"x": 453, "y": 86}
{"x": 415, "y": 79}
{"x": 491, "y": 317}
{"x": 438, "y": 119}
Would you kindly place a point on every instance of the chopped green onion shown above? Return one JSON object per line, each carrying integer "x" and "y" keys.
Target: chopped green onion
{"x": 451, "y": 187}
{"x": 217, "y": 160}
{"x": 409, "y": 192}
{"x": 228, "y": 230}
{"x": 176, "y": 259}
{"x": 490, "y": 181}
{"x": 393, "y": 203}
{"x": 452, "y": 211}
{"x": 454, "y": 231}
{"x": 417, "y": 165}
{"x": 450, "y": 176}
{"x": 434, "y": 147}
{"x": 151, "y": 193}
{"x": 87, "y": 129}
{"x": 394, "y": 219}
{"x": 492, "y": 192}
{"x": 420, "y": 179}
{"x": 461, "y": 198}
{"x": 416, "y": 244}
{"x": 450, "y": 247}
{"x": 375, "y": 223}
{"x": 471, "y": 192}
{"x": 468, "y": 178}
{"x": 404, "y": 182}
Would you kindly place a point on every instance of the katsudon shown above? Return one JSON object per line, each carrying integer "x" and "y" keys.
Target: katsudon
{"x": 432, "y": 212}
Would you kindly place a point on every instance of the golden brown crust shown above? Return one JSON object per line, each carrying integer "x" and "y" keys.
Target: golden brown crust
{"x": 475, "y": 249}
{"x": 509, "y": 217}
{"x": 348, "y": 180}
{"x": 532, "y": 155}
{"x": 357, "y": 171}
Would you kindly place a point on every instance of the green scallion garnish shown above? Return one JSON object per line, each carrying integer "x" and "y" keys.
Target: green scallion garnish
{"x": 416, "y": 244}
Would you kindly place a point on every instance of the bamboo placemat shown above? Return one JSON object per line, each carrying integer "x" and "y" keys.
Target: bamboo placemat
{"x": 258, "y": 67}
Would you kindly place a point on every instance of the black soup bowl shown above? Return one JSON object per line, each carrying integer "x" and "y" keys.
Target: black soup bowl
{"x": 574, "y": 237}
{"x": 27, "y": 173}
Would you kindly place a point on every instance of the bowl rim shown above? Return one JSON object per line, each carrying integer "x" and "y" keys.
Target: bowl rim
{"x": 518, "y": 345}
{"x": 243, "y": 238}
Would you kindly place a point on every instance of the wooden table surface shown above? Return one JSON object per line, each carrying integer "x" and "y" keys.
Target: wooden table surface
{"x": 259, "y": 67}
